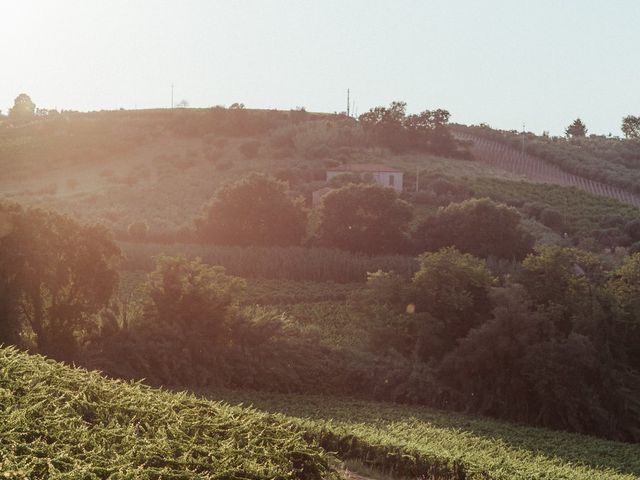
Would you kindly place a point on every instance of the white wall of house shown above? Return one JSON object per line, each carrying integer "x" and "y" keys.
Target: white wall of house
{"x": 386, "y": 179}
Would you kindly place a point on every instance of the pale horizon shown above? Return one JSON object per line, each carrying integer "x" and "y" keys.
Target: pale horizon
{"x": 502, "y": 64}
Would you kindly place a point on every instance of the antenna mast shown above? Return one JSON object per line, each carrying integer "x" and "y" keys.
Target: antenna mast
{"x": 348, "y": 104}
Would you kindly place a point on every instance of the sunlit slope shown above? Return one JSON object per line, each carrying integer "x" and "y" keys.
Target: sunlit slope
{"x": 61, "y": 422}
{"x": 162, "y": 166}
{"x": 418, "y": 442}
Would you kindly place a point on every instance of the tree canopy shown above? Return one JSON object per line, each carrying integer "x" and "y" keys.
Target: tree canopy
{"x": 392, "y": 128}
{"x": 477, "y": 226}
{"x": 577, "y": 129}
{"x": 631, "y": 126}
{"x": 54, "y": 275}
{"x": 364, "y": 218}
{"x": 253, "y": 211}
{"x": 23, "y": 107}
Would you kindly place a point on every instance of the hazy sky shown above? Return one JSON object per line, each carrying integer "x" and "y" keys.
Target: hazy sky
{"x": 501, "y": 62}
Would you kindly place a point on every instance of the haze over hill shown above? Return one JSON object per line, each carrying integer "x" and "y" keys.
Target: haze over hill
{"x": 542, "y": 63}
{"x": 234, "y": 200}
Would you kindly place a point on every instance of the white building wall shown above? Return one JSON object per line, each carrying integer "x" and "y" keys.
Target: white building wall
{"x": 386, "y": 179}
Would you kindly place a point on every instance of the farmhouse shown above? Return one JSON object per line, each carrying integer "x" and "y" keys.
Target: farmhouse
{"x": 381, "y": 174}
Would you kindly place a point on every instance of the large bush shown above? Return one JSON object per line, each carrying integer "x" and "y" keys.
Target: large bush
{"x": 253, "y": 211}
{"x": 477, "y": 226}
{"x": 55, "y": 275}
{"x": 364, "y": 218}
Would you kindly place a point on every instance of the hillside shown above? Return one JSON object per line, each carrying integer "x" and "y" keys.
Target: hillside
{"x": 605, "y": 161}
{"x": 506, "y": 157}
{"x": 58, "y": 421}
{"x": 162, "y": 166}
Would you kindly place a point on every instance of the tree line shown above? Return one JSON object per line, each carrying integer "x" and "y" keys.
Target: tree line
{"x": 360, "y": 217}
{"x": 552, "y": 341}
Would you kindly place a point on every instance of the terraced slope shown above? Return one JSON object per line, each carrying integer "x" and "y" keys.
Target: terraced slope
{"x": 536, "y": 169}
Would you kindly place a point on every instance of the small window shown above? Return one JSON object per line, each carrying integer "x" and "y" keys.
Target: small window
{"x": 392, "y": 180}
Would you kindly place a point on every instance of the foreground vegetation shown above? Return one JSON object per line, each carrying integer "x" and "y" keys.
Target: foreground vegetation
{"x": 57, "y": 422}
{"x": 551, "y": 340}
{"x": 420, "y": 442}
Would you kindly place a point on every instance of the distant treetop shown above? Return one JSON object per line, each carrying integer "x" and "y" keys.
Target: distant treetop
{"x": 576, "y": 129}
{"x": 23, "y": 107}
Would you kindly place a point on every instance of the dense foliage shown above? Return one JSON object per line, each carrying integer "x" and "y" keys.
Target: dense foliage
{"x": 556, "y": 346}
{"x": 55, "y": 275}
{"x": 393, "y": 128}
{"x": 478, "y": 226}
{"x": 364, "y": 218}
{"x": 57, "y": 422}
{"x": 253, "y": 211}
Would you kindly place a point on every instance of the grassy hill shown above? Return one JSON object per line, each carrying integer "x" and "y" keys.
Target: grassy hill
{"x": 61, "y": 422}
{"x": 612, "y": 161}
{"x": 162, "y": 166}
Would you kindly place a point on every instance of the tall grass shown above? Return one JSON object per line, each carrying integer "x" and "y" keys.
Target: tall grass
{"x": 291, "y": 263}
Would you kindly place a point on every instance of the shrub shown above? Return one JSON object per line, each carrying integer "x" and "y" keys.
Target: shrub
{"x": 478, "y": 226}
{"x": 552, "y": 219}
{"x": 253, "y": 211}
{"x": 364, "y": 218}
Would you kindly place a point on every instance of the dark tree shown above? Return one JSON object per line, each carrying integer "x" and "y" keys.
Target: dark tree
{"x": 577, "y": 129}
{"x": 253, "y": 211}
{"x": 364, "y": 218}
{"x": 392, "y": 128}
{"x": 453, "y": 287}
{"x": 55, "y": 274}
{"x": 385, "y": 126}
{"x": 477, "y": 226}
{"x": 631, "y": 126}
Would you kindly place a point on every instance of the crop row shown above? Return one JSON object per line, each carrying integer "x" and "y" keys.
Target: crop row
{"x": 290, "y": 263}
{"x": 537, "y": 169}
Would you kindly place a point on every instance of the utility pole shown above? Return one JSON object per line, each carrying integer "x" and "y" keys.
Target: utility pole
{"x": 348, "y": 104}
{"x": 172, "y": 95}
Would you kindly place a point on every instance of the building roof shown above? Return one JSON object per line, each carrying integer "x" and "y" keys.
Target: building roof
{"x": 364, "y": 167}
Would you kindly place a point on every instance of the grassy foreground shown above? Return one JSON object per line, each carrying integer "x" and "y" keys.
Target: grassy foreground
{"x": 419, "y": 442}
{"x": 59, "y": 422}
